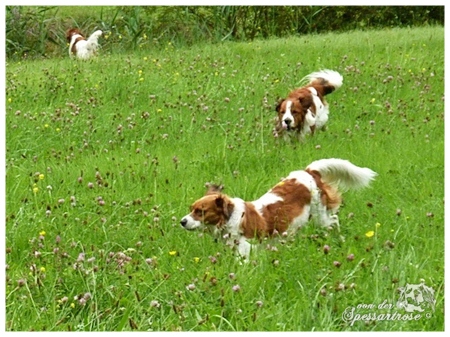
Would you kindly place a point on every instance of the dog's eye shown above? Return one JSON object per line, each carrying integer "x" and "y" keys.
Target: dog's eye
{"x": 198, "y": 211}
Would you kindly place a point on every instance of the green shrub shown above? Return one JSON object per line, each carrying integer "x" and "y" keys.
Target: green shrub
{"x": 40, "y": 31}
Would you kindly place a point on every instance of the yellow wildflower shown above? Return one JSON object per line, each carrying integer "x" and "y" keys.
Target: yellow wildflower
{"x": 369, "y": 234}
{"x": 173, "y": 253}
{"x": 41, "y": 176}
{"x": 196, "y": 259}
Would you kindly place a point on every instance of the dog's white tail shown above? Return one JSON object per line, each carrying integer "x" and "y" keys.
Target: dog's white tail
{"x": 342, "y": 173}
{"x": 330, "y": 77}
{"x": 93, "y": 39}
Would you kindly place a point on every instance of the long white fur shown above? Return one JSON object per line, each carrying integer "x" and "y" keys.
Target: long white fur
{"x": 342, "y": 173}
{"x": 322, "y": 112}
{"x": 85, "y": 48}
{"x": 333, "y": 77}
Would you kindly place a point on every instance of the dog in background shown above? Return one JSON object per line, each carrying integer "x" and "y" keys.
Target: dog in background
{"x": 310, "y": 194}
{"x": 305, "y": 109}
{"x": 81, "y": 47}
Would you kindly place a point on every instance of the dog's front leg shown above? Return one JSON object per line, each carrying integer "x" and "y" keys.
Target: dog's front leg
{"x": 240, "y": 244}
{"x": 244, "y": 248}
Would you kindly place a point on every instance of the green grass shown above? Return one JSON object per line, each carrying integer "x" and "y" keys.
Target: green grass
{"x": 104, "y": 157}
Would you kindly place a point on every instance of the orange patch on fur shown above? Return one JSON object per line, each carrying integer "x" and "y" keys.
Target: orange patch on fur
{"x": 329, "y": 196}
{"x": 212, "y": 209}
{"x": 280, "y": 214}
{"x": 253, "y": 225}
{"x": 74, "y": 48}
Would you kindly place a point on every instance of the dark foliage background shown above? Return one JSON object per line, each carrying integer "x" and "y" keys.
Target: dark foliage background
{"x": 37, "y": 31}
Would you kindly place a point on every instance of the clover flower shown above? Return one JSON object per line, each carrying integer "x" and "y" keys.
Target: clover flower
{"x": 155, "y": 304}
{"x": 236, "y": 288}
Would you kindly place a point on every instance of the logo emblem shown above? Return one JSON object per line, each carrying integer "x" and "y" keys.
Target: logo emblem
{"x": 416, "y": 298}
{"x": 415, "y": 301}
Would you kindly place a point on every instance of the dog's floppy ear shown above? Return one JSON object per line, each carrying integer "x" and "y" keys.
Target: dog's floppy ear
{"x": 213, "y": 188}
{"x": 71, "y": 32}
{"x": 306, "y": 101}
{"x": 278, "y": 106}
{"x": 224, "y": 203}
{"x": 69, "y": 35}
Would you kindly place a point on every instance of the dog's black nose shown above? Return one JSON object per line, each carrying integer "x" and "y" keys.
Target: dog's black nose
{"x": 183, "y": 222}
{"x": 288, "y": 121}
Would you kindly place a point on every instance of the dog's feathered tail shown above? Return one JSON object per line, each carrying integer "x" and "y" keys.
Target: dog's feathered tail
{"x": 93, "y": 39}
{"x": 342, "y": 173}
{"x": 330, "y": 80}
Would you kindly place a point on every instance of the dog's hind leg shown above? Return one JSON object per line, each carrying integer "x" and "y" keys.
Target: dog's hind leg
{"x": 326, "y": 218}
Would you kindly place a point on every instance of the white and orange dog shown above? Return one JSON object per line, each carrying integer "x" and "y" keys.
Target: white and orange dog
{"x": 81, "y": 47}
{"x": 305, "y": 109}
{"x": 310, "y": 194}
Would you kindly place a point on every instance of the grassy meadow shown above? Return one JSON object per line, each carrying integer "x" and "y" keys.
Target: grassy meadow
{"x": 104, "y": 157}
